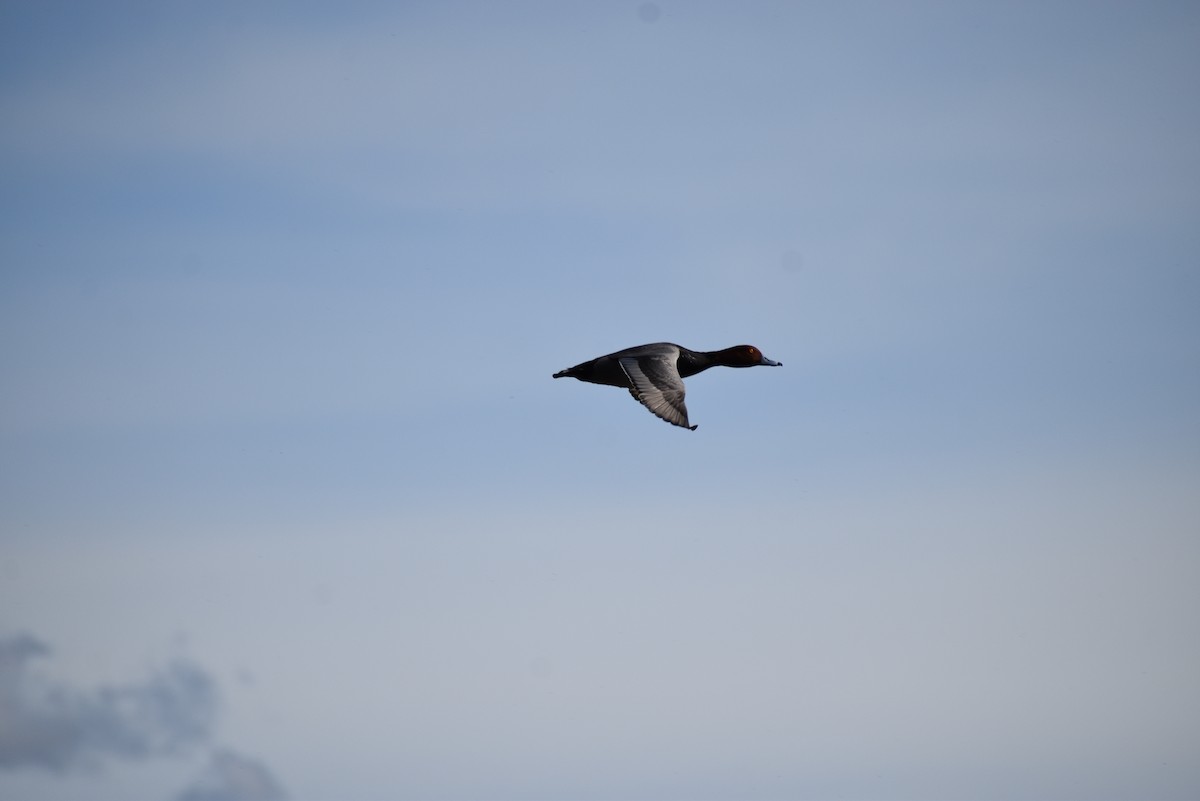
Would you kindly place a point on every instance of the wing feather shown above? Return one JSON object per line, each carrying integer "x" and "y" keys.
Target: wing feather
{"x": 656, "y": 383}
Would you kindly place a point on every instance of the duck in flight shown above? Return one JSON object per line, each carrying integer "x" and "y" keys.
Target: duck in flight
{"x": 654, "y": 374}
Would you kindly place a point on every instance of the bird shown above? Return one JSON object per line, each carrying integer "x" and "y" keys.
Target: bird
{"x": 654, "y": 373}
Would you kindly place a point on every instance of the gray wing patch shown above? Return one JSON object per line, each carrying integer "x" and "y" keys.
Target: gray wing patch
{"x": 658, "y": 386}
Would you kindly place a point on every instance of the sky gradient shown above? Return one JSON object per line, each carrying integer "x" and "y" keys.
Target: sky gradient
{"x": 291, "y": 507}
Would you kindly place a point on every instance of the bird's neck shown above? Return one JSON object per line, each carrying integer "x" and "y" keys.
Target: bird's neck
{"x": 696, "y": 361}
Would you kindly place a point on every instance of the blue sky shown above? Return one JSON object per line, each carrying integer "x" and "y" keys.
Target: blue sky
{"x": 290, "y": 506}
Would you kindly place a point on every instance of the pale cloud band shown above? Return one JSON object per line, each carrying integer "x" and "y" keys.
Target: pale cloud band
{"x": 56, "y": 727}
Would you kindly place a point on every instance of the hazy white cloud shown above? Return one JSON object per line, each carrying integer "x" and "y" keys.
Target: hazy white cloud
{"x": 55, "y": 727}
{"x": 232, "y": 777}
{"x": 61, "y": 728}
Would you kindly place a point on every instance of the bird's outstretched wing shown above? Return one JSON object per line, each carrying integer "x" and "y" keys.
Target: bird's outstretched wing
{"x": 657, "y": 385}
